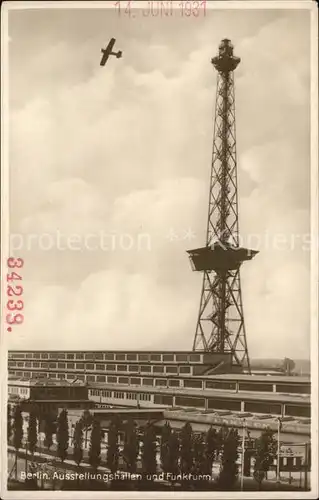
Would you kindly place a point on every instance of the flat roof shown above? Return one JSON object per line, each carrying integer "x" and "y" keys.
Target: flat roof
{"x": 243, "y": 416}
{"x": 258, "y": 378}
{"x": 254, "y": 422}
{"x": 119, "y": 351}
{"x": 128, "y": 410}
{"x": 207, "y": 393}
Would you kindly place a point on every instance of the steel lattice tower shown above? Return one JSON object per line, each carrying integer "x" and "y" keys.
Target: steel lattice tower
{"x": 220, "y": 325}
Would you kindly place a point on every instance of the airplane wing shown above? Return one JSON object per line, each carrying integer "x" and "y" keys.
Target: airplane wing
{"x": 104, "y": 57}
{"x": 110, "y": 46}
{"x": 106, "y": 52}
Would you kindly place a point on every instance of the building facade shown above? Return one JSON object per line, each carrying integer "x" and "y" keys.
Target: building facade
{"x": 167, "y": 379}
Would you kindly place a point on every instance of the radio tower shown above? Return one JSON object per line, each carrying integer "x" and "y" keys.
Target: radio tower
{"x": 220, "y": 325}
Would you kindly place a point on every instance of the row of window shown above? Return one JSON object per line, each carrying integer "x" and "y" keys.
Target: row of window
{"x": 92, "y": 356}
{"x": 161, "y": 382}
{"x": 101, "y": 367}
{"x": 164, "y": 382}
{"x": 138, "y": 381}
{"x": 131, "y": 395}
{"x": 118, "y": 395}
{"x": 218, "y": 404}
{"x": 18, "y": 390}
{"x": 157, "y": 382}
{"x": 98, "y": 392}
{"x": 121, "y": 395}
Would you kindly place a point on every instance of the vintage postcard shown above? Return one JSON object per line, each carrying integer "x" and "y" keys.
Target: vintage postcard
{"x": 159, "y": 250}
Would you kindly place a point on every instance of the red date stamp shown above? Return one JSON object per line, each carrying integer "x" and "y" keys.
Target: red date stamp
{"x": 14, "y": 290}
{"x": 182, "y": 8}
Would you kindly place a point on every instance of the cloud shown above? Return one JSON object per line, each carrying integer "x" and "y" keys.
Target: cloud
{"x": 94, "y": 317}
{"x": 127, "y": 149}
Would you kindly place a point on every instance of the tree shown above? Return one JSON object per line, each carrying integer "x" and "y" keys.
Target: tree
{"x": 186, "y": 450}
{"x": 221, "y": 438}
{"x": 229, "y": 468}
{"x": 211, "y": 449}
{"x": 149, "y": 450}
{"x": 95, "y": 445}
{"x": 199, "y": 465}
{"x": 166, "y": 433}
{"x": 112, "y": 458}
{"x": 32, "y": 432}
{"x": 87, "y": 420}
{"x": 288, "y": 365}
{"x": 48, "y": 431}
{"x": 200, "y": 462}
{"x": 9, "y": 423}
{"x": 266, "y": 451}
{"x": 78, "y": 443}
{"x": 173, "y": 453}
{"x": 169, "y": 450}
{"x": 62, "y": 435}
{"x": 17, "y": 427}
{"x": 17, "y": 433}
{"x": 131, "y": 446}
{"x": 186, "y": 462}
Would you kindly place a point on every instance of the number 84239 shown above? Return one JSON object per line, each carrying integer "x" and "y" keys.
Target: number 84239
{"x": 14, "y": 290}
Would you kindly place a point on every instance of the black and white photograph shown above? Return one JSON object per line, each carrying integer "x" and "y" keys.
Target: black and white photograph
{"x": 159, "y": 249}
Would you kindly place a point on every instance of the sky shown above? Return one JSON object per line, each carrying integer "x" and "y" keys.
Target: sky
{"x": 124, "y": 151}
